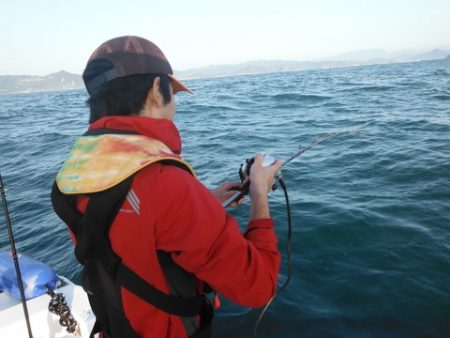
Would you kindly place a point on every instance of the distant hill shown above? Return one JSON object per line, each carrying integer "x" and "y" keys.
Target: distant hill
{"x": 373, "y": 55}
{"x": 431, "y": 55}
{"x": 370, "y": 54}
{"x": 64, "y": 80}
{"x": 258, "y": 67}
{"x": 350, "y": 59}
{"x": 27, "y": 83}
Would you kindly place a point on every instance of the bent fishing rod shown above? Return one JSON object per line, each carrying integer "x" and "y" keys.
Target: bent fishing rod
{"x": 14, "y": 256}
{"x": 269, "y": 160}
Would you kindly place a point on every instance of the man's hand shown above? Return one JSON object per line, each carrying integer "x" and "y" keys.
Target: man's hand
{"x": 261, "y": 182}
{"x": 262, "y": 178}
{"x": 226, "y": 190}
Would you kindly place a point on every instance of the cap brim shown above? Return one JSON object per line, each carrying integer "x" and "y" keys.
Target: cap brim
{"x": 178, "y": 86}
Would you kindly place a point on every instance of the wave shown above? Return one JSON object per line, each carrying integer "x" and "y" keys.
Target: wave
{"x": 441, "y": 97}
{"x": 300, "y": 97}
{"x": 440, "y": 72}
{"x": 371, "y": 88}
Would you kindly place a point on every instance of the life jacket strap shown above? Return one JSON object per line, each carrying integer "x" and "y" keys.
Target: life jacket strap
{"x": 179, "y": 306}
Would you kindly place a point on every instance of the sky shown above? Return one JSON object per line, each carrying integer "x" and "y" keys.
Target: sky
{"x": 39, "y": 37}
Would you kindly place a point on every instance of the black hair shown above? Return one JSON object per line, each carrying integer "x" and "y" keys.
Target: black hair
{"x": 125, "y": 95}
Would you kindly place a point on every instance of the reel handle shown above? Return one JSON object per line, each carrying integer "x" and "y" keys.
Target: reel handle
{"x": 244, "y": 170}
{"x": 244, "y": 173}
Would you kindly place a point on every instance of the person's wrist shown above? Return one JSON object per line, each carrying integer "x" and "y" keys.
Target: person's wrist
{"x": 259, "y": 206}
{"x": 259, "y": 196}
{"x": 257, "y": 191}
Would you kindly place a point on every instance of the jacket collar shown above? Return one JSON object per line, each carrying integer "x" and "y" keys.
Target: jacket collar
{"x": 160, "y": 129}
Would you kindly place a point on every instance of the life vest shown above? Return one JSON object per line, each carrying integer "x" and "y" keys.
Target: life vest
{"x": 104, "y": 273}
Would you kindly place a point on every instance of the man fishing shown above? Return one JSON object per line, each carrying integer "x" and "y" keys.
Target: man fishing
{"x": 150, "y": 236}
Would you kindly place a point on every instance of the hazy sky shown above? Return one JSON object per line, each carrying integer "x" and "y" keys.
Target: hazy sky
{"x": 45, "y": 36}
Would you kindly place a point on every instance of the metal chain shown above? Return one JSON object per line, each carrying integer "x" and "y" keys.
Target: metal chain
{"x": 59, "y": 307}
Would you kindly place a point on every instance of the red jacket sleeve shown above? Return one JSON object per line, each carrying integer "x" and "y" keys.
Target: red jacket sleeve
{"x": 205, "y": 240}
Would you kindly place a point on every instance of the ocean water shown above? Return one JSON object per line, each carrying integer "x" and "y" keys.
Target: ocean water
{"x": 370, "y": 208}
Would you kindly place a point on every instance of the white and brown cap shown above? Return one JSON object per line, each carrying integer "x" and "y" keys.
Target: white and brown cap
{"x": 125, "y": 56}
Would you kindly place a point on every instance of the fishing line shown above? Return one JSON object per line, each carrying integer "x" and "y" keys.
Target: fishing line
{"x": 288, "y": 259}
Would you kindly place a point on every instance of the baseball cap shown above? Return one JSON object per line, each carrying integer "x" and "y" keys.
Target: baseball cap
{"x": 125, "y": 56}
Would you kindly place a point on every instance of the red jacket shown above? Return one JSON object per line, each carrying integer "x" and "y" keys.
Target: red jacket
{"x": 171, "y": 210}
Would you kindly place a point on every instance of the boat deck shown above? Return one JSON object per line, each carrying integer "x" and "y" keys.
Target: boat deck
{"x": 45, "y": 324}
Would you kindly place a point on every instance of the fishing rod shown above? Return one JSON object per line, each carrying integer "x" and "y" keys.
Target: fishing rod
{"x": 14, "y": 255}
{"x": 269, "y": 160}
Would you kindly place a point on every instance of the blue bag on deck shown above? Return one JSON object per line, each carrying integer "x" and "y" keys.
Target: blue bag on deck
{"x": 36, "y": 276}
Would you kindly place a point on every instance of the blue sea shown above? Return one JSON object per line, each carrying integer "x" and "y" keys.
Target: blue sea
{"x": 370, "y": 208}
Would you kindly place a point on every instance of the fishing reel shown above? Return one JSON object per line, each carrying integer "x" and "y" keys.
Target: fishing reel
{"x": 244, "y": 170}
